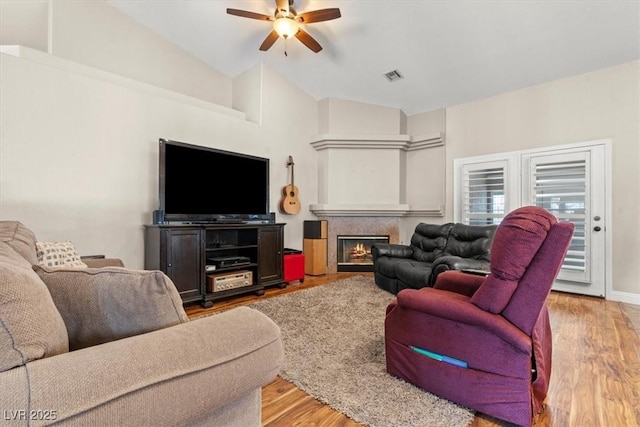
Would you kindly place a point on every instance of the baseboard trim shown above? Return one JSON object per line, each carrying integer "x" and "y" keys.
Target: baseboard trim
{"x": 626, "y": 297}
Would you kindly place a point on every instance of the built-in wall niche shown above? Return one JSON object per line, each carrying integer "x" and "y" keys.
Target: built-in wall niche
{"x": 380, "y": 175}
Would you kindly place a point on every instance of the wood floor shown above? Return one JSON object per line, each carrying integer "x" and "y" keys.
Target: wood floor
{"x": 595, "y": 379}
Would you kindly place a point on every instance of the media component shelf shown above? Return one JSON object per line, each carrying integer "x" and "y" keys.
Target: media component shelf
{"x": 208, "y": 262}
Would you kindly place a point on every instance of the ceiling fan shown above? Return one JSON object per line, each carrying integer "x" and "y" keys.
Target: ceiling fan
{"x": 286, "y": 23}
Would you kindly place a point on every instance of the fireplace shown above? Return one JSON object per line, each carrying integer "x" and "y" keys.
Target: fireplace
{"x": 354, "y": 252}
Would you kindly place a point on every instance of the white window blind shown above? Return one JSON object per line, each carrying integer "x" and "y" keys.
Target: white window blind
{"x": 561, "y": 188}
{"x": 484, "y": 194}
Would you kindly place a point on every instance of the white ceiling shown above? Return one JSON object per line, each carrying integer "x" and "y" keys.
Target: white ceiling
{"x": 449, "y": 51}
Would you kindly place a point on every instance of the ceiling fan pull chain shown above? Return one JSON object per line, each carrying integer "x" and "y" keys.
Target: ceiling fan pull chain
{"x": 285, "y": 47}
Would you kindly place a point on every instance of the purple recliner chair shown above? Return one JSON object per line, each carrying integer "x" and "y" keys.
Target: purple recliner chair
{"x": 485, "y": 342}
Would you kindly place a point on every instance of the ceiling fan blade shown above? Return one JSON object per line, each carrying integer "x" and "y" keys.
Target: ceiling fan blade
{"x": 319, "y": 15}
{"x": 247, "y": 14}
{"x": 308, "y": 41}
{"x": 283, "y": 5}
{"x": 269, "y": 41}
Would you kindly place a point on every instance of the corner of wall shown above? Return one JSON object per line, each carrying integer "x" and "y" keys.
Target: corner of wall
{"x": 25, "y": 23}
{"x": 247, "y": 93}
{"x": 343, "y": 116}
{"x": 323, "y": 116}
{"x": 403, "y": 123}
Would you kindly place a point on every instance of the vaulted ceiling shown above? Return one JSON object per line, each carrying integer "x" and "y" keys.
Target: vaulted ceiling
{"x": 448, "y": 51}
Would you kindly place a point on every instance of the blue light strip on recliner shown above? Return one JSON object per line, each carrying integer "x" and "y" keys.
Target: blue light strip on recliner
{"x": 439, "y": 357}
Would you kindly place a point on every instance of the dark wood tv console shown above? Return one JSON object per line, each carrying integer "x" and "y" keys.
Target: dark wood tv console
{"x": 185, "y": 252}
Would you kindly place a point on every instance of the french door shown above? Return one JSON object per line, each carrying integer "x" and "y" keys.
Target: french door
{"x": 570, "y": 182}
{"x": 571, "y": 185}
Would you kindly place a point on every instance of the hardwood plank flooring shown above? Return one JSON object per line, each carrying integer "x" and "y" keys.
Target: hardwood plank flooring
{"x": 595, "y": 380}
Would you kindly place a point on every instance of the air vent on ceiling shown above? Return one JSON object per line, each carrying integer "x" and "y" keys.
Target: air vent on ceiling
{"x": 394, "y": 75}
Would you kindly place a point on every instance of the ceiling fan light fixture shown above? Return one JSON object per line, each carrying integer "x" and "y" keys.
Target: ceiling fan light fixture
{"x": 287, "y": 22}
{"x": 285, "y": 27}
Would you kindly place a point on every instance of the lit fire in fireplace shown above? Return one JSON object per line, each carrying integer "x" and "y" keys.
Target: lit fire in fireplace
{"x": 354, "y": 252}
{"x": 359, "y": 251}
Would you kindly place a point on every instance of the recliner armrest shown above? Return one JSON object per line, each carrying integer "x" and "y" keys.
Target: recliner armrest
{"x": 391, "y": 250}
{"x": 459, "y": 282}
{"x": 451, "y": 262}
{"x": 439, "y": 303}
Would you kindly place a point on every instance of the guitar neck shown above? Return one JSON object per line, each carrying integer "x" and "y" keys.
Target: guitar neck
{"x": 290, "y": 163}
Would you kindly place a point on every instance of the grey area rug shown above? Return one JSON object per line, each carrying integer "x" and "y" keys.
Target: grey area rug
{"x": 334, "y": 345}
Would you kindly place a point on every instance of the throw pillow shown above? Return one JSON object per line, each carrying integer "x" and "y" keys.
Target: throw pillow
{"x": 20, "y": 239}
{"x": 99, "y": 305}
{"x": 30, "y": 325}
{"x": 58, "y": 254}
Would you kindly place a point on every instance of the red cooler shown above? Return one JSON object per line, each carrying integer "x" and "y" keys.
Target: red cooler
{"x": 293, "y": 265}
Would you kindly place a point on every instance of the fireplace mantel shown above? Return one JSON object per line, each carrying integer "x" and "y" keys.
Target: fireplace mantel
{"x": 400, "y": 210}
{"x": 399, "y": 142}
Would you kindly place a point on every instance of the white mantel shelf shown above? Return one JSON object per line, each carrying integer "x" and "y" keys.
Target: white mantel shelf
{"x": 338, "y": 210}
{"x": 399, "y": 142}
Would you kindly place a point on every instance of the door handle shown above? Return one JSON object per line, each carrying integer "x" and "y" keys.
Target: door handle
{"x": 597, "y": 228}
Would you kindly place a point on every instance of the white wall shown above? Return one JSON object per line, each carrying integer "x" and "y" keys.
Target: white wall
{"x": 79, "y": 155}
{"x": 289, "y": 118}
{"x": 593, "y": 106}
{"x": 79, "y": 145}
{"x": 96, "y": 34}
{"x": 340, "y": 116}
{"x": 426, "y": 169}
{"x": 25, "y": 23}
{"x": 428, "y": 122}
{"x": 247, "y": 94}
{"x": 79, "y": 150}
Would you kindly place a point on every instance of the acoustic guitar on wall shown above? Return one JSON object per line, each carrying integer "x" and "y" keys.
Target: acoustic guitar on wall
{"x": 290, "y": 203}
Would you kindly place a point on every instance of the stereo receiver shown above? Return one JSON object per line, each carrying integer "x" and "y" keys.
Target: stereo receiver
{"x": 226, "y": 281}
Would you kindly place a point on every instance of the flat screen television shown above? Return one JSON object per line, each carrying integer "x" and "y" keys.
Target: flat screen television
{"x": 202, "y": 184}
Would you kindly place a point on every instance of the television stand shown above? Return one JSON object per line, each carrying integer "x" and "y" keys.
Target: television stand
{"x": 182, "y": 252}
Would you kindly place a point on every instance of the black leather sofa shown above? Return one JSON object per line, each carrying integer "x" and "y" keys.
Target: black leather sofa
{"x": 433, "y": 249}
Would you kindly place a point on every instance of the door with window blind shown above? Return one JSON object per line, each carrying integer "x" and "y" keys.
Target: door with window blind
{"x": 568, "y": 181}
{"x": 571, "y": 185}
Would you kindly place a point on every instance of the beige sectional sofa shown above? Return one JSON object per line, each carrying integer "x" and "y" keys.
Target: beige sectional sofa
{"x": 113, "y": 346}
